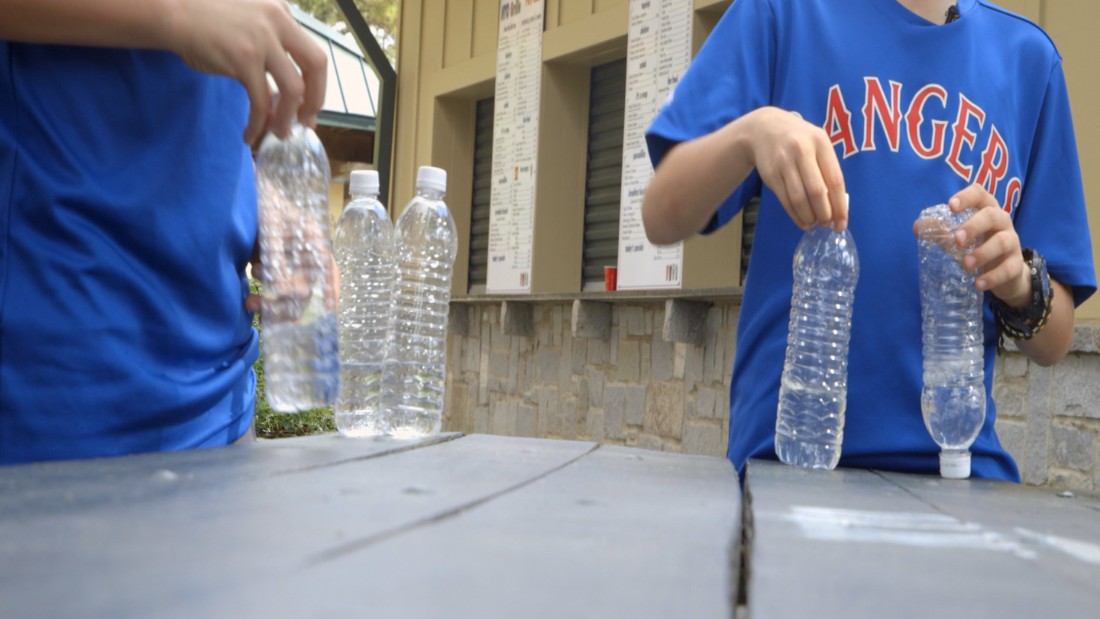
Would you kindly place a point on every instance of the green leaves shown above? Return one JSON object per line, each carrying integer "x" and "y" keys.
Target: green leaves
{"x": 380, "y": 15}
{"x": 270, "y": 424}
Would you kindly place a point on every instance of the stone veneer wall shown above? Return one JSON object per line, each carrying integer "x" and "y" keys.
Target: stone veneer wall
{"x": 608, "y": 372}
{"x": 1049, "y": 418}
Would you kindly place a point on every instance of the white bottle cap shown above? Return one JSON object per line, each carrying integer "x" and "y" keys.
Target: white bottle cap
{"x": 955, "y": 464}
{"x": 364, "y": 182}
{"x": 431, "y": 178}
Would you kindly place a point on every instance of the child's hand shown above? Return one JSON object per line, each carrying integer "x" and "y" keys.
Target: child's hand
{"x": 796, "y": 160}
{"x": 998, "y": 259}
{"x": 248, "y": 40}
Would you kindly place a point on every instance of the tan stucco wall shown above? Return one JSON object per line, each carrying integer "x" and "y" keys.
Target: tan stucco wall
{"x": 1074, "y": 25}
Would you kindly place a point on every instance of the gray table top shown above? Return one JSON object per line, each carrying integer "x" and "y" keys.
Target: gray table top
{"x": 484, "y": 526}
{"x": 866, "y": 544}
{"x": 455, "y": 526}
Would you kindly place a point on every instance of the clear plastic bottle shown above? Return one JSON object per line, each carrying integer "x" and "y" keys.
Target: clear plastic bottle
{"x": 813, "y": 391}
{"x": 365, "y": 252}
{"x": 301, "y": 364}
{"x": 415, "y": 371}
{"x": 953, "y": 396}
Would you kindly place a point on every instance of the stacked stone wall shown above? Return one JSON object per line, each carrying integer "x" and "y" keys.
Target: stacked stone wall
{"x": 656, "y": 375}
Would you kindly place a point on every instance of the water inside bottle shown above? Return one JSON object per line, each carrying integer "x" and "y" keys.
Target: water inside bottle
{"x": 809, "y": 429}
{"x": 953, "y": 396}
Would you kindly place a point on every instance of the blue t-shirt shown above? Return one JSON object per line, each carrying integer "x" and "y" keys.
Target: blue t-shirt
{"x": 916, "y": 112}
{"x": 127, "y": 216}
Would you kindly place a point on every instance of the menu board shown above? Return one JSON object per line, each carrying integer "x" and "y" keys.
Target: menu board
{"x": 658, "y": 53}
{"x": 515, "y": 146}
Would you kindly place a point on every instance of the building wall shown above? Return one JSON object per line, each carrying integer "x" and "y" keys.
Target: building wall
{"x": 619, "y": 389}
{"x": 563, "y": 374}
{"x": 621, "y": 382}
{"x": 1048, "y": 418}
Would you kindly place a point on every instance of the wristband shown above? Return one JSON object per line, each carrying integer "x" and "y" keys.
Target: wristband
{"x": 1022, "y": 323}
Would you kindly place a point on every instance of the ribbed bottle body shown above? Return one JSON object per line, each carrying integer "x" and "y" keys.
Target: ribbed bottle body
{"x": 365, "y": 251}
{"x": 813, "y": 388}
{"x": 953, "y": 396}
{"x": 300, "y": 349}
{"x": 415, "y": 371}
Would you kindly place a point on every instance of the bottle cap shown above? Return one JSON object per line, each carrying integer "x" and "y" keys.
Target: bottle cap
{"x": 955, "y": 464}
{"x": 364, "y": 182}
{"x": 431, "y": 178}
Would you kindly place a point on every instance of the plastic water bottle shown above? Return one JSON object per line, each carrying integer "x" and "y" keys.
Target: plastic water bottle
{"x": 301, "y": 366}
{"x": 365, "y": 252}
{"x": 813, "y": 392}
{"x": 953, "y": 396}
{"x": 415, "y": 371}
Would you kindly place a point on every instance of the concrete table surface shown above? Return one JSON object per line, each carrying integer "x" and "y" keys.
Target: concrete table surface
{"x": 453, "y": 526}
{"x": 866, "y": 544}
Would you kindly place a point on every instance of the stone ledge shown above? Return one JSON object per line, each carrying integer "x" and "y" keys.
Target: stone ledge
{"x": 458, "y": 319}
{"x": 591, "y": 319}
{"x": 712, "y": 295}
{"x": 1086, "y": 337}
{"x": 685, "y": 321}
{"x": 517, "y": 319}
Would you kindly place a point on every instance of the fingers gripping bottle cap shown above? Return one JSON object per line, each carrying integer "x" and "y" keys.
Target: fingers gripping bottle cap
{"x": 364, "y": 182}
{"x": 431, "y": 178}
{"x": 955, "y": 464}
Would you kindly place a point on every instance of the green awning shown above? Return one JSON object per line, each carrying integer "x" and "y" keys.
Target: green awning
{"x": 352, "y": 88}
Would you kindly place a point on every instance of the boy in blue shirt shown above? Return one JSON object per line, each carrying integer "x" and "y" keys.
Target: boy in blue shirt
{"x": 128, "y": 214}
{"x": 901, "y": 104}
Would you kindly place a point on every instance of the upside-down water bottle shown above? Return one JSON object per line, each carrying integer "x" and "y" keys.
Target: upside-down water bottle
{"x": 364, "y": 247}
{"x": 813, "y": 391}
{"x": 953, "y": 396}
{"x": 298, "y": 317}
{"x": 415, "y": 371}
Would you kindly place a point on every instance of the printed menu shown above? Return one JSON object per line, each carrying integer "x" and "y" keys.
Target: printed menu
{"x": 515, "y": 146}
{"x": 658, "y": 52}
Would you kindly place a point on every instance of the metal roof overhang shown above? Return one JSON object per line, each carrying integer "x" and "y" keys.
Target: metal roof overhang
{"x": 358, "y": 96}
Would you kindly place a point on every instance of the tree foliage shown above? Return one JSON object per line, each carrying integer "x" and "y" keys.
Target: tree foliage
{"x": 380, "y": 15}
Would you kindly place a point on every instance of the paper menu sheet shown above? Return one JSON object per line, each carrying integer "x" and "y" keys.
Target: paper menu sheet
{"x": 515, "y": 147}
{"x": 658, "y": 52}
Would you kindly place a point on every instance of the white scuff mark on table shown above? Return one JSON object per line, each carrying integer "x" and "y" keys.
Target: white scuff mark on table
{"x": 1082, "y": 551}
{"x": 904, "y": 528}
{"x": 165, "y": 475}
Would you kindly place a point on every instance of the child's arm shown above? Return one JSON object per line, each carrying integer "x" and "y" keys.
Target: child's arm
{"x": 794, "y": 158}
{"x": 243, "y": 39}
